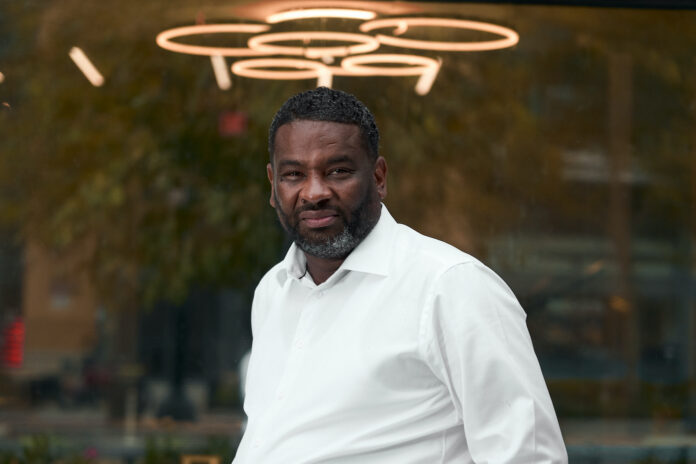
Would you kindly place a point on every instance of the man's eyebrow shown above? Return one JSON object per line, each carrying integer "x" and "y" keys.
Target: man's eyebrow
{"x": 340, "y": 159}
{"x": 289, "y": 162}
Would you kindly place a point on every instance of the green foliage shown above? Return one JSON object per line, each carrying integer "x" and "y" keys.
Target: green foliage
{"x": 37, "y": 450}
{"x": 8, "y": 457}
{"x": 168, "y": 449}
{"x": 161, "y": 450}
{"x": 44, "y": 449}
{"x": 219, "y": 446}
{"x": 135, "y": 173}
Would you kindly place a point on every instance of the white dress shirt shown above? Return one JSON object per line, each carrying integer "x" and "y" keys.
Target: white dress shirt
{"x": 411, "y": 352}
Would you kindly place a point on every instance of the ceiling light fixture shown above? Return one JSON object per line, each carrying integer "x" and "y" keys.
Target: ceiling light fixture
{"x": 86, "y": 66}
{"x": 2, "y": 78}
{"x": 222, "y": 75}
{"x": 509, "y": 39}
{"x": 423, "y": 66}
{"x": 365, "y": 44}
{"x": 343, "y": 13}
{"x": 354, "y": 48}
{"x": 300, "y": 69}
{"x": 164, "y": 39}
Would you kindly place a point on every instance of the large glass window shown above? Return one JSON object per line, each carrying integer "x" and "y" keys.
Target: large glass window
{"x": 134, "y": 217}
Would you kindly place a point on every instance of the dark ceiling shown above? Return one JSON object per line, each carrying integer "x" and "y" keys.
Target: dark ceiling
{"x": 659, "y": 4}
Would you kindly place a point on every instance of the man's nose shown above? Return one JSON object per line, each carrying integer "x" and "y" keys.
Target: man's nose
{"x": 315, "y": 189}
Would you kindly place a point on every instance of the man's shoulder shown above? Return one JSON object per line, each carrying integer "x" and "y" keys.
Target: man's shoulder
{"x": 271, "y": 277}
{"x": 422, "y": 250}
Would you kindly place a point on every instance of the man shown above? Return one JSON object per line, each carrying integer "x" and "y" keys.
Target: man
{"x": 373, "y": 343}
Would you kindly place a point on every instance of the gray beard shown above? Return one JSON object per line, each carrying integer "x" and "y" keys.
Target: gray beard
{"x": 340, "y": 245}
{"x": 337, "y": 247}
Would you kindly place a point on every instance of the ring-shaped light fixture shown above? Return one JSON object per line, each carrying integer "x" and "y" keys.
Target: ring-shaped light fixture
{"x": 164, "y": 39}
{"x": 301, "y": 69}
{"x": 343, "y": 13}
{"x": 509, "y": 39}
{"x": 426, "y": 68}
{"x": 414, "y": 65}
{"x": 365, "y": 44}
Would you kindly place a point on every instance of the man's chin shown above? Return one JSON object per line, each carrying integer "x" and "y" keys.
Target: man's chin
{"x": 318, "y": 235}
{"x": 316, "y": 239}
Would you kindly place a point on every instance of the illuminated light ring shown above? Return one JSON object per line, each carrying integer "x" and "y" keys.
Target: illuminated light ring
{"x": 510, "y": 37}
{"x": 366, "y": 44}
{"x": 344, "y": 13}
{"x": 355, "y": 65}
{"x": 164, "y": 39}
{"x": 304, "y": 69}
{"x": 426, "y": 68}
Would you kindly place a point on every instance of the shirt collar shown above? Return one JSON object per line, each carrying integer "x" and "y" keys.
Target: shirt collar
{"x": 371, "y": 256}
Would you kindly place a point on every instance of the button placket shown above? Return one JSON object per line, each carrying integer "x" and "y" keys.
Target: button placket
{"x": 295, "y": 352}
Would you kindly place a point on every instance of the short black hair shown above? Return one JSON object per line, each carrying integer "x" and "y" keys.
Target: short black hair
{"x": 324, "y": 104}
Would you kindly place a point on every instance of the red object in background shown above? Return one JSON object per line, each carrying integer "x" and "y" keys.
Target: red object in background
{"x": 232, "y": 123}
{"x": 13, "y": 344}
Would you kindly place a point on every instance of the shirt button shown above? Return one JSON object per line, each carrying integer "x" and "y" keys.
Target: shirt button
{"x": 299, "y": 344}
{"x": 280, "y": 396}
{"x": 320, "y": 294}
{"x": 256, "y": 445}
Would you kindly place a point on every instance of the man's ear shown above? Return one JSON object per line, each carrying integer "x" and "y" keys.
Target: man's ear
{"x": 269, "y": 173}
{"x": 380, "y": 174}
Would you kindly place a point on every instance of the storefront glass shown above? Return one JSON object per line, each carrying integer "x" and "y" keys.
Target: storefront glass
{"x": 134, "y": 217}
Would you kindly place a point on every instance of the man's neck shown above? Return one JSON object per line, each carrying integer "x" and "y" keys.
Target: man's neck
{"x": 320, "y": 268}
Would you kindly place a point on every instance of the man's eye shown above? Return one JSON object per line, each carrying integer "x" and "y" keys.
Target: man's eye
{"x": 339, "y": 171}
{"x": 292, "y": 174}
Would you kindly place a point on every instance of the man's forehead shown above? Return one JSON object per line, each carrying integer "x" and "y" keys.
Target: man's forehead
{"x": 300, "y": 134}
{"x": 318, "y": 125}
{"x": 308, "y": 132}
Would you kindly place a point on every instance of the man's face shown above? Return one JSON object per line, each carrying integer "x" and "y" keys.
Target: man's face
{"x": 324, "y": 187}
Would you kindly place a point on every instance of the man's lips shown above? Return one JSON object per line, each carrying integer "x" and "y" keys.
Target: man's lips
{"x": 318, "y": 218}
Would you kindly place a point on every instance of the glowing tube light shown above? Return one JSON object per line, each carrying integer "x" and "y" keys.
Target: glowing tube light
{"x": 85, "y": 65}
{"x": 365, "y": 44}
{"x": 509, "y": 39}
{"x": 324, "y": 78}
{"x": 426, "y": 68}
{"x": 2, "y": 78}
{"x": 343, "y": 13}
{"x": 164, "y": 39}
{"x": 300, "y": 69}
{"x": 222, "y": 76}
{"x": 426, "y": 81}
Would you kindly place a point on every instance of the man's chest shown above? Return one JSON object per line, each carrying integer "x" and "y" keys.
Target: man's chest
{"x": 354, "y": 345}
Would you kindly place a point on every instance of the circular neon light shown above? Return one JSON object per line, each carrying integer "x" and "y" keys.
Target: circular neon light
{"x": 303, "y": 69}
{"x": 164, "y": 39}
{"x": 509, "y": 39}
{"x": 426, "y": 68}
{"x": 344, "y": 13}
{"x": 365, "y": 44}
{"x": 415, "y": 65}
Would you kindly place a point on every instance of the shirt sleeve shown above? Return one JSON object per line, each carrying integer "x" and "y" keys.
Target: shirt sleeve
{"x": 475, "y": 339}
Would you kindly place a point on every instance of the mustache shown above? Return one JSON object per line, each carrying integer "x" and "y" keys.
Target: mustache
{"x": 315, "y": 207}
